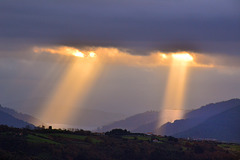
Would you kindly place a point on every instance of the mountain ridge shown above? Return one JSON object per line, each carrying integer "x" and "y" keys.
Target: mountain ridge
{"x": 21, "y": 116}
{"x": 197, "y": 116}
{"x": 9, "y": 120}
{"x": 222, "y": 127}
{"x": 146, "y": 122}
{"x": 130, "y": 123}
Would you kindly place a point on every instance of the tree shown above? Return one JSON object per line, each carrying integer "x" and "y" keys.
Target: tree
{"x": 118, "y": 132}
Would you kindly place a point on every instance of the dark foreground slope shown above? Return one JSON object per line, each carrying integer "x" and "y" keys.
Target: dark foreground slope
{"x": 118, "y": 144}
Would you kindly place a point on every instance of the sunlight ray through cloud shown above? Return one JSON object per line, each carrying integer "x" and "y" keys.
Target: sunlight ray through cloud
{"x": 175, "y": 88}
{"x": 71, "y": 90}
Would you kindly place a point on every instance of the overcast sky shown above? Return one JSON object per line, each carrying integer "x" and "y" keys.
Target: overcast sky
{"x": 138, "y": 27}
{"x": 203, "y": 26}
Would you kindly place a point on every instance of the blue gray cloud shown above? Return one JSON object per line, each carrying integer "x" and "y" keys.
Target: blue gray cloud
{"x": 139, "y": 25}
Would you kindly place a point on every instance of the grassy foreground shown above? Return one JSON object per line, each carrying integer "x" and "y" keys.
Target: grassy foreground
{"x": 119, "y": 144}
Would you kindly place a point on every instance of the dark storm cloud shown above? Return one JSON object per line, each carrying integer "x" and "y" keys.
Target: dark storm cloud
{"x": 202, "y": 26}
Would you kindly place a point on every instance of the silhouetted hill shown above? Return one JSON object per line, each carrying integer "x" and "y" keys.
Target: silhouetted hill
{"x": 222, "y": 127}
{"x": 147, "y": 121}
{"x": 213, "y": 109}
{"x": 197, "y": 116}
{"x": 145, "y": 128}
{"x": 133, "y": 122}
{"x": 140, "y": 123}
{"x": 6, "y": 119}
{"x": 21, "y": 116}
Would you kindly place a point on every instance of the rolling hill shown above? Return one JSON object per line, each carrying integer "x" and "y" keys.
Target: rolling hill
{"x": 7, "y": 119}
{"x": 133, "y": 122}
{"x": 21, "y": 116}
{"x": 197, "y": 117}
{"x": 140, "y": 123}
{"x": 204, "y": 122}
{"x": 222, "y": 127}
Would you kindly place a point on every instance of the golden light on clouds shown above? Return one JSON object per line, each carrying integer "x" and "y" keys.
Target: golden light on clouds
{"x": 164, "y": 56}
{"x": 78, "y": 54}
{"x": 182, "y": 56}
{"x": 123, "y": 57}
{"x": 175, "y": 88}
{"x": 92, "y": 54}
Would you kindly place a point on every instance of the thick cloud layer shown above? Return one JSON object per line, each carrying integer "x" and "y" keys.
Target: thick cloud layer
{"x": 141, "y": 26}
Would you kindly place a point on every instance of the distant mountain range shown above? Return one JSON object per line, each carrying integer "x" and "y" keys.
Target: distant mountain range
{"x": 133, "y": 122}
{"x": 7, "y": 119}
{"x": 218, "y": 121}
{"x": 139, "y": 123}
{"x": 24, "y": 117}
{"x": 197, "y": 117}
{"x": 83, "y": 118}
{"x": 222, "y": 127}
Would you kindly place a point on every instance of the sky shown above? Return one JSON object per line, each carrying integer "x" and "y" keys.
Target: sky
{"x": 46, "y": 46}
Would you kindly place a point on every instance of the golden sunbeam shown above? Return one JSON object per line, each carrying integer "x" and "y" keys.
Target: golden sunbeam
{"x": 39, "y": 91}
{"x": 71, "y": 90}
{"x": 179, "y": 62}
{"x": 175, "y": 89}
